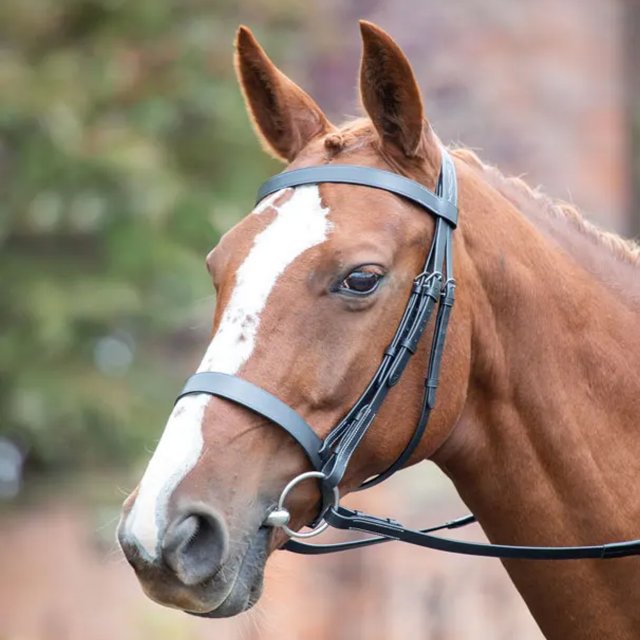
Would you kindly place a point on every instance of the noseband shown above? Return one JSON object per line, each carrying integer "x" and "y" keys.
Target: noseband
{"x": 433, "y": 289}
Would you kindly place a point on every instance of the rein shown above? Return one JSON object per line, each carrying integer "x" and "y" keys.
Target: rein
{"x": 433, "y": 289}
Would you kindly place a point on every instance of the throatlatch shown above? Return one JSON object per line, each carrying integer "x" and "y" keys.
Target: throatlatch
{"x": 433, "y": 289}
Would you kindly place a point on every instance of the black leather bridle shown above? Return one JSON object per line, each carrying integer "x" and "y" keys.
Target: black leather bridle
{"x": 433, "y": 290}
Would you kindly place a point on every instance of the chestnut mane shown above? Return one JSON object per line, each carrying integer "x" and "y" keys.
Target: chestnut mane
{"x": 517, "y": 191}
{"x": 358, "y": 132}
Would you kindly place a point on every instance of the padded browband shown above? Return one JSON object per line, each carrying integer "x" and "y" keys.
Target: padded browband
{"x": 256, "y": 399}
{"x": 368, "y": 177}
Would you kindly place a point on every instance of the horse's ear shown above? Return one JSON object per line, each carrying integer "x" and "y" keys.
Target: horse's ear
{"x": 285, "y": 117}
{"x": 390, "y": 93}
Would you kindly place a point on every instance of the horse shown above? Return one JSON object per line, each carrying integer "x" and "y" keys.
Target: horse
{"x": 538, "y": 403}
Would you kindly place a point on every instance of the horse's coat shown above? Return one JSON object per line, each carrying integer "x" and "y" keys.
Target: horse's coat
{"x": 537, "y": 414}
{"x": 300, "y": 223}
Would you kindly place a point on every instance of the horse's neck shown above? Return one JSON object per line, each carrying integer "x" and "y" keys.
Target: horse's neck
{"x": 548, "y": 448}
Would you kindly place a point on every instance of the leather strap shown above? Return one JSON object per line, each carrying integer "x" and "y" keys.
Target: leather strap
{"x": 320, "y": 549}
{"x": 262, "y": 402}
{"x": 442, "y": 206}
{"x": 386, "y": 530}
{"x": 342, "y": 518}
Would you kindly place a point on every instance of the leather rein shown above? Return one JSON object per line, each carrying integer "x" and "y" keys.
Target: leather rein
{"x": 433, "y": 290}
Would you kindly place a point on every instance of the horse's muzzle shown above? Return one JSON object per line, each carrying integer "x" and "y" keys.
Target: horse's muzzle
{"x": 196, "y": 570}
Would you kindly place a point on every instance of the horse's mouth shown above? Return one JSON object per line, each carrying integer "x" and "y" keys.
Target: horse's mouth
{"x": 245, "y": 586}
{"x": 235, "y": 587}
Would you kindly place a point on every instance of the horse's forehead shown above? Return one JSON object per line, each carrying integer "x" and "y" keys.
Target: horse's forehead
{"x": 362, "y": 205}
{"x": 234, "y": 245}
{"x": 356, "y": 213}
{"x": 286, "y": 223}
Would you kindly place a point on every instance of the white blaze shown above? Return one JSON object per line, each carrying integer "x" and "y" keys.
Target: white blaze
{"x": 300, "y": 223}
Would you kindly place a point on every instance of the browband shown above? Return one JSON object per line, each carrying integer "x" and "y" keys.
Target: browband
{"x": 443, "y": 207}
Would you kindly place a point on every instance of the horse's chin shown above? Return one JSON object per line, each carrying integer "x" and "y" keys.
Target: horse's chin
{"x": 235, "y": 588}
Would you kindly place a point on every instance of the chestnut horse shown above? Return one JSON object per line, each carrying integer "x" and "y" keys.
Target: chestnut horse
{"x": 539, "y": 401}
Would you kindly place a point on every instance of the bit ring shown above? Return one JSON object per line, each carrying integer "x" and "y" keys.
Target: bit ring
{"x": 281, "y": 508}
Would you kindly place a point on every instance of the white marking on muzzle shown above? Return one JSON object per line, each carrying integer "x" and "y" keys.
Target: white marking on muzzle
{"x": 300, "y": 223}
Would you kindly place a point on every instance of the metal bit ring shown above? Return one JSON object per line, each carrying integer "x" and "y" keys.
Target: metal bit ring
{"x": 280, "y": 510}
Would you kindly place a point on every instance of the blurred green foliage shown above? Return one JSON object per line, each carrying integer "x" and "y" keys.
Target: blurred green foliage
{"x": 125, "y": 151}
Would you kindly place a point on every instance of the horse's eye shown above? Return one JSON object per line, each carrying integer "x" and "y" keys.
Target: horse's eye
{"x": 361, "y": 282}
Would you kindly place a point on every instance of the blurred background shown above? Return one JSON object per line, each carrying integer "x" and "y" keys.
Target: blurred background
{"x": 125, "y": 152}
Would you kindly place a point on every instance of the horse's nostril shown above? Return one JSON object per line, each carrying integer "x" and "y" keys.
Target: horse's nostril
{"x": 195, "y": 546}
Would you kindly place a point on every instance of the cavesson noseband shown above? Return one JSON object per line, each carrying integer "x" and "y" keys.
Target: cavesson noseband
{"x": 433, "y": 289}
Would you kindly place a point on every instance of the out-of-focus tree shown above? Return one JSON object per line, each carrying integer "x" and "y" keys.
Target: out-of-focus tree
{"x": 124, "y": 152}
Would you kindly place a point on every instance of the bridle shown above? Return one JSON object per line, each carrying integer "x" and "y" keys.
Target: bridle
{"x": 433, "y": 289}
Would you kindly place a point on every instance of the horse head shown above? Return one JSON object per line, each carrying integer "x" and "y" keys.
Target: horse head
{"x": 310, "y": 287}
